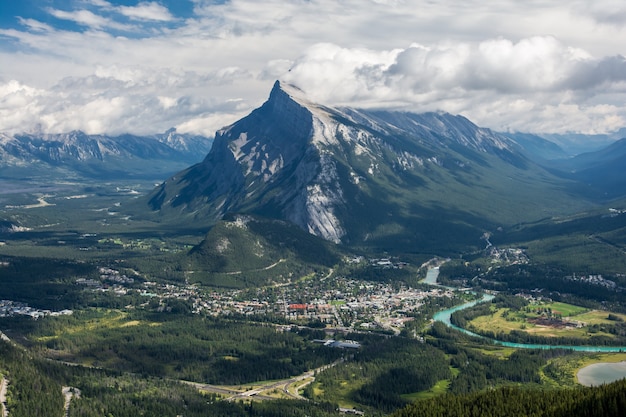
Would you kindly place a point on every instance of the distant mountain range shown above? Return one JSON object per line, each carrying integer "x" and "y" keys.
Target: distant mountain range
{"x": 383, "y": 179}
{"x": 604, "y": 171}
{"x": 429, "y": 182}
{"x": 98, "y": 156}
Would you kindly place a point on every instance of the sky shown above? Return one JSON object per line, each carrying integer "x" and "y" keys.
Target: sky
{"x": 142, "y": 67}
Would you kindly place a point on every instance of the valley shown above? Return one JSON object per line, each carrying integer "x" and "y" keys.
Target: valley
{"x": 317, "y": 261}
{"x": 130, "y": 316}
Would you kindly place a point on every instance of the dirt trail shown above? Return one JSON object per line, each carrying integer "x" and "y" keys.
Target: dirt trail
{"x": 69, "y": 393}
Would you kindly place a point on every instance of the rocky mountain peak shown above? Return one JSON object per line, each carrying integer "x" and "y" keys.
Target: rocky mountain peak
{"x": 343, "y": 174}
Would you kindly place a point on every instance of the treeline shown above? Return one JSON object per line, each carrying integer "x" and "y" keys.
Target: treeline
{"x": 604, "y": 401}
{"x": 380, "y": 375}
{"x": 30, "y": 392}
{"x": 399, "y": 366}
{"x": 43, "y": 283}
{"x": 551, "y": 279}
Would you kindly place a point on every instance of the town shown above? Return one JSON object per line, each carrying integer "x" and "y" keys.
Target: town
{"x": 338, "y": 302}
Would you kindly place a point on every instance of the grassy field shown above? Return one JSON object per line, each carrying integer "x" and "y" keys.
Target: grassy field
{"x": 505, "y": 320}
{"x": 439, "y": 388}
{"x": 497, "y": 351}
{"x": 564, "y": 309}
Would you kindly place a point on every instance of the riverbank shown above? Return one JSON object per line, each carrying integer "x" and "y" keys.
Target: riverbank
{"x": 444, "y": 317}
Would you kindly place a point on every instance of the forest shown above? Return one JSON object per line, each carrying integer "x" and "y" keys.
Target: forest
{"x": 130, "y": 353}
{"x": 604, "y": 401}
{"x": 179, "y": 346}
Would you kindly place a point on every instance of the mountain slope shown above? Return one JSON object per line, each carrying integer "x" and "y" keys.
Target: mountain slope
{"x": 384, "y": 179}
{"x": 244, "y": 250}
{"x": 577, "y": 143}
{"x": 604, "y": 171}
{"x": 536, "y": 147}
{"x": 99, "y": 156}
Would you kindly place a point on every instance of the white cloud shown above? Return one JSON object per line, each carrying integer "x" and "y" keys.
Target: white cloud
{"x": 122, "y": 99}
{"x": 99, "y": 3}
{"x": 540, "y": 64}
{"x": 611, "y": 12}
{"x": 209, "y": 124}
{"x": 147, "y": 11}
{"x": 35, "y": 25}
{"x": 87, "y": 18}
{"x": 531, "y": 81}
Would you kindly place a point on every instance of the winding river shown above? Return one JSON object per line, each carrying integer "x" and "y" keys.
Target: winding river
{"x": 444, "y": 317}
{"x": 595, "y": 374}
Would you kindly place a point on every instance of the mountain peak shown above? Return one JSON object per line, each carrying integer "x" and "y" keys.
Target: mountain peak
{"x": 346, "y": 175}
{"x": 286, "y": 88}
{"x": 283, "y": 92}
{"x": 293, "y": 92}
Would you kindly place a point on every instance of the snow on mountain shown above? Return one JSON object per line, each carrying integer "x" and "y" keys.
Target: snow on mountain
{"x": 77, "y": 151}
{"x": 348, "y": 175}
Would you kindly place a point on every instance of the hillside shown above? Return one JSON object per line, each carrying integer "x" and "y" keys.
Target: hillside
{"x": 249, "y": 251}
{"x": 605, "y": 401}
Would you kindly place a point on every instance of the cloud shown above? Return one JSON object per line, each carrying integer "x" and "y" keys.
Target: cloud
{"x": 18, "y": 103}
{"x": 120, "y": 100}
{"x": 610, "y": 12}
{"x": 541, "y": 64}
{"x": 530, "y": 65}
{"x": 87, "y": 18}
{"x": 99, "y": 3}
{"x": 147, "y": 11}
{"x": 35, "y": 25}
{"x": 533, "y": 79}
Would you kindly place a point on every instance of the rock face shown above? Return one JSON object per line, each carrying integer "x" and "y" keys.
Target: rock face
{"x": 352, "y": 176}
{"x": 272, "y": 160}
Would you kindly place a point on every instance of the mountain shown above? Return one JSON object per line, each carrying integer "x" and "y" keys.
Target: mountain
{"x": 577, "y": 143}
{"x": 98, "y": 156}
{"x": 604, "y": 170}
{"x": 536, "y": 147}
{"x": 192, "y": 146}
{"x": 424, "y": 182}
{"x": 244, "y": 250}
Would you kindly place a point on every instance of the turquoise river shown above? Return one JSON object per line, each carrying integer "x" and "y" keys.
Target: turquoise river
{"x": 444, "y": 317}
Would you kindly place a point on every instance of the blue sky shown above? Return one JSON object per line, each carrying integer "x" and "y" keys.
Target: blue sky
{"x": 123, "y": 18}
{"x": 105, "y": 66}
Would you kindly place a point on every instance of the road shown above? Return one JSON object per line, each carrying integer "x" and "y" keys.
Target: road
{"x": 289, "y": 387}
{"x": 255, "y": 270}
{"x": 3, "y": 397}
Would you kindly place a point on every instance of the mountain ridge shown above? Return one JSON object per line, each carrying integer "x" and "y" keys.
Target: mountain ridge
{"x": 78, "y": 153}
{"x": 603, "y": 170}
{"x": 364, "y": 177}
